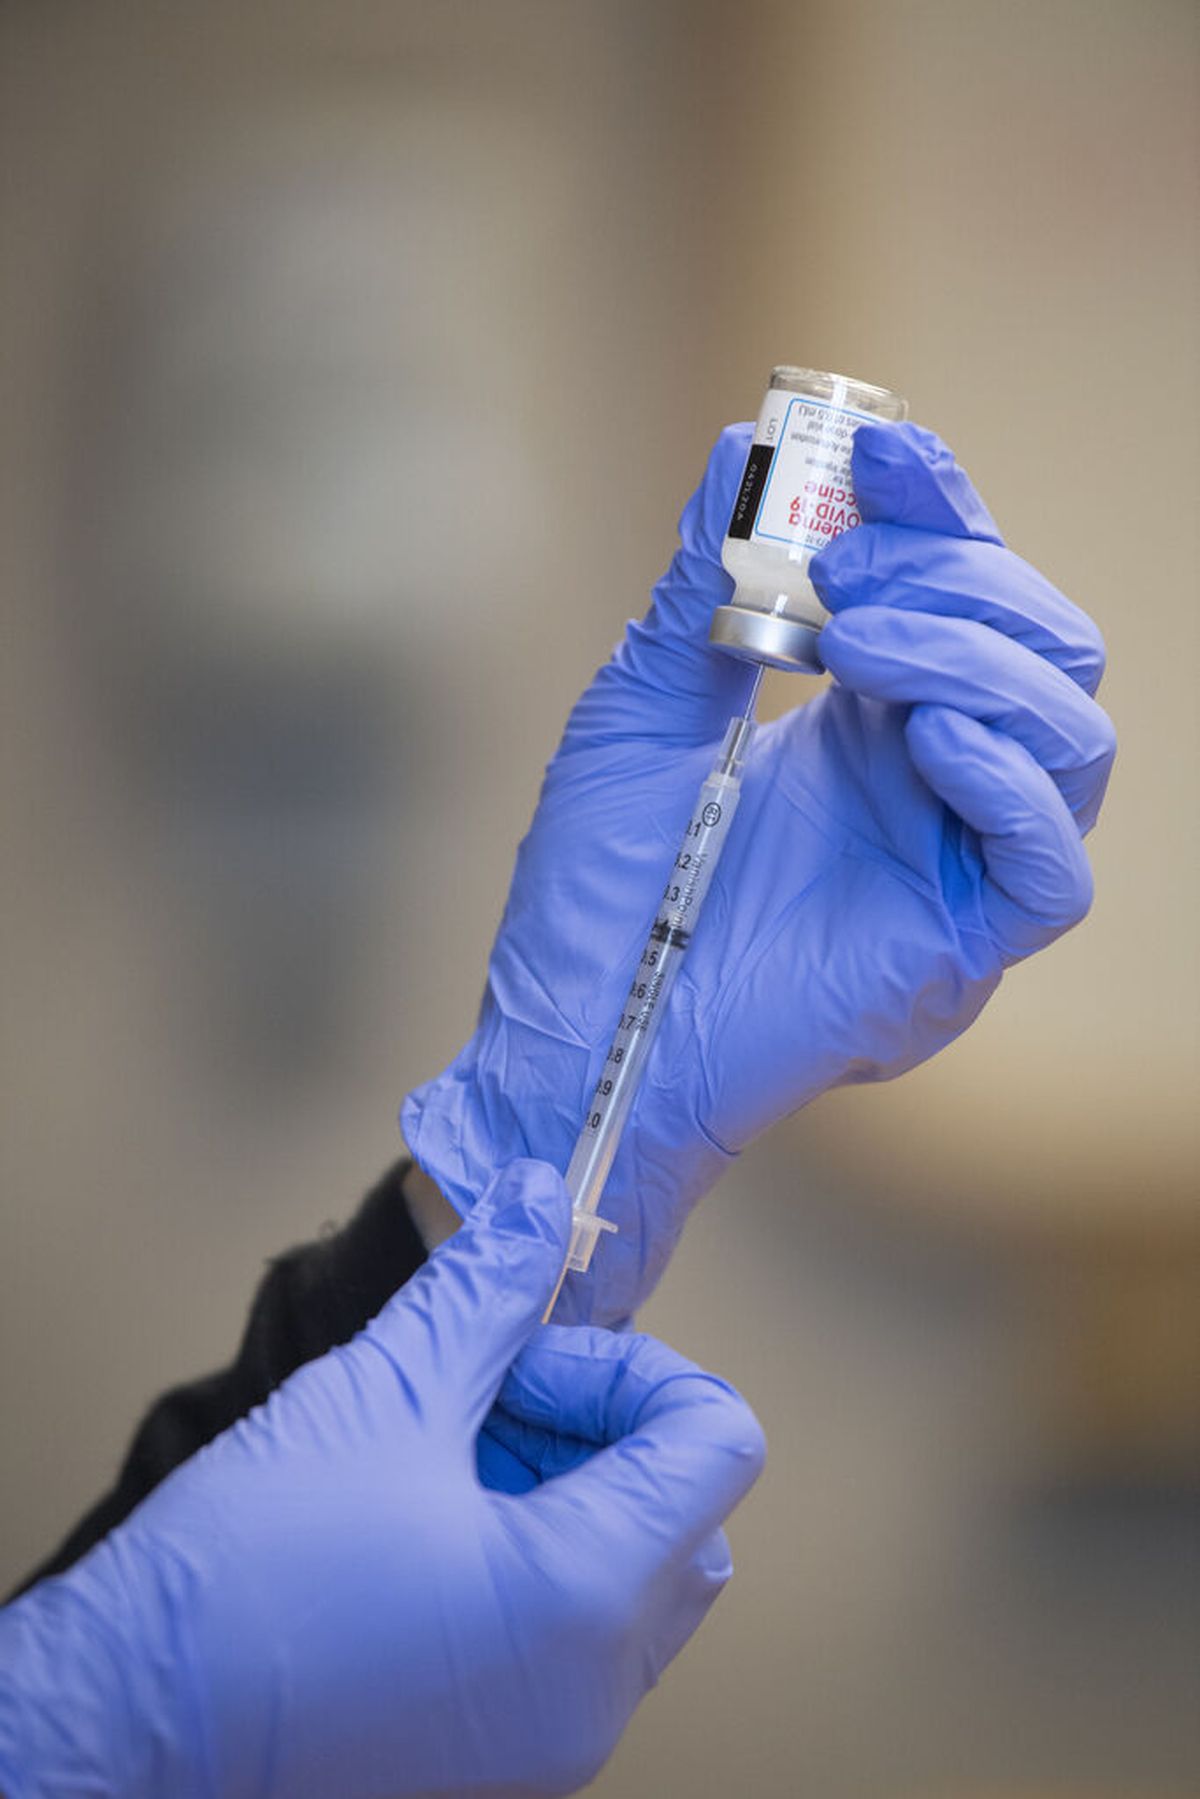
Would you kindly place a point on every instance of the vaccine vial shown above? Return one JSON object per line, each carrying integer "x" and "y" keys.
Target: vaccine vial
{"x": 795, "y": 495}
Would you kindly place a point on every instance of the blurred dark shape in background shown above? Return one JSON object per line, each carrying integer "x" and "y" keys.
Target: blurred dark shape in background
{"x": 357, "y": 361}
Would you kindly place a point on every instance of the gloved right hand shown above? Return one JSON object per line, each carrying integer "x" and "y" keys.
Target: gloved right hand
{"x": 901, "y": 840}
{"x": 326, "y": 1601}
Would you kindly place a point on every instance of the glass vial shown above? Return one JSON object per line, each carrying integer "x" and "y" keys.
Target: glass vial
{"x": 795, "y": 494}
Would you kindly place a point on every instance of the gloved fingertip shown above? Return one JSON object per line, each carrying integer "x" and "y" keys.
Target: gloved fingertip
{"x": 745, "y": 1439}
{"x": 905, "y": 475}
{"x": 730, "y": 1425}
{"x": 839, "y": 634}
{"x": 880, "y": 443}
{"x": 837, "y": 571}
{"x": 529, "y": 1199}
{"x": 883, "y": 462}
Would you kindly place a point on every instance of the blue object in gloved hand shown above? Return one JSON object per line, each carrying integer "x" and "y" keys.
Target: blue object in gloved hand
{"x": 326, "y": 1604}
{"x": 900, "y": 840}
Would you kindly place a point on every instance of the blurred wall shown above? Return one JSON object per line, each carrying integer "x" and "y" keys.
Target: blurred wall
{"x": 1009, "y": 234}
{"x": 276, "y": 696}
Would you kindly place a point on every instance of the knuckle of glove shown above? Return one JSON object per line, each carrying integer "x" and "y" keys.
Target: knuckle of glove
{"x": 1056, "y": 886}
{"x": 1067, "y": 899}
{"x": 1103, "y": 744}
{"x": 1089, "y": 655}
{"x": 741, "y": 1435}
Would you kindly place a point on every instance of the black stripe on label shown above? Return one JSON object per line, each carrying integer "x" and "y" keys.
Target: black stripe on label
{"x": 754, "y": 479}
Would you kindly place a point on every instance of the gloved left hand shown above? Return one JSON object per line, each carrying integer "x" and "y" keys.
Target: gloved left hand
{"x": 326, "y": 1603}
{"x": 901, "y": 840}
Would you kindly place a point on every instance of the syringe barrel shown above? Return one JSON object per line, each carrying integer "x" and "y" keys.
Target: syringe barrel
{"x": 644, "y": 1005}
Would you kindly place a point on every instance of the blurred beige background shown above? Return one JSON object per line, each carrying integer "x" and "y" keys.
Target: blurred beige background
{"x": 275, "y": 706}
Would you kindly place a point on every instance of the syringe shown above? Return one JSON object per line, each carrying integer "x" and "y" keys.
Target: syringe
{"x": 645, "y": 1003}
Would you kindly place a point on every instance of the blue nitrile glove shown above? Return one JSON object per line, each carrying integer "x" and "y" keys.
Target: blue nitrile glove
{"x": 899, "y": 842}
{"x": 326, "y": 1602}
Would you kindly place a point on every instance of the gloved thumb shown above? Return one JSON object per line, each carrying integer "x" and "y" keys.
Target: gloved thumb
{"x": 666, "y": 680}
{"x": 456, "y": 1326}
{"x": 906, "y": 475}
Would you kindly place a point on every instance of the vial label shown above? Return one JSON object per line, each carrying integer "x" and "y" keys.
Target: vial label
{"x": 796, "y": 488}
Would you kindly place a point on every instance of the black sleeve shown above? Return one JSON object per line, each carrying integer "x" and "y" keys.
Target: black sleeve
{"x": 310, "y": 1299}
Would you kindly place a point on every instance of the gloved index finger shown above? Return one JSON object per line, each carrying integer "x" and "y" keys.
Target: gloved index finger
{"x": 906, "y": 475}
{"x": 958, "y": 577}
{"x": 684, "y": 1448}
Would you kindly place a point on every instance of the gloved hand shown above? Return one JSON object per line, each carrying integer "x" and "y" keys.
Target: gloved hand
{"x": 325, "y": 1601}
{"x": 900, "y": 840}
